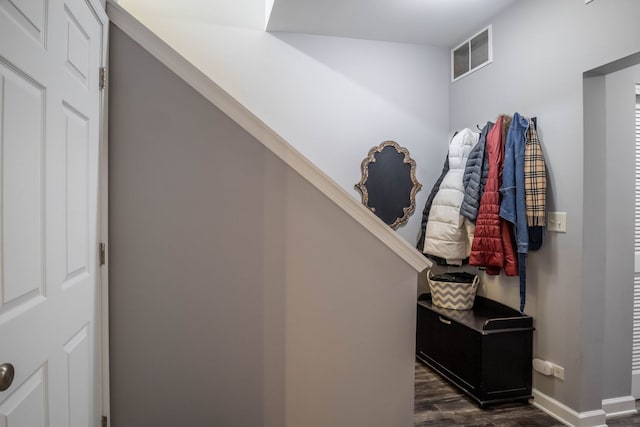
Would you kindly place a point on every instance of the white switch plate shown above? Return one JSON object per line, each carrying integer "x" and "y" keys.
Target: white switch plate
{"x": 557, "y": 221}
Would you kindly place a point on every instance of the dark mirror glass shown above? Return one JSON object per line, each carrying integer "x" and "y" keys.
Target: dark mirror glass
{"x": 388, "y": 184}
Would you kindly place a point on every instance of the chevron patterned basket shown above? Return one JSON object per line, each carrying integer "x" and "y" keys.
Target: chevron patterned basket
{"x": 456, "y": 295}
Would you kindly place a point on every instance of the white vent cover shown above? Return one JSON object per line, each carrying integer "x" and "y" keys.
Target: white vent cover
{"x": 472, "y": 54}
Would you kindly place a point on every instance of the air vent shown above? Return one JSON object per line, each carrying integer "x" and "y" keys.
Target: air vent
{"x": 472, "y": 54}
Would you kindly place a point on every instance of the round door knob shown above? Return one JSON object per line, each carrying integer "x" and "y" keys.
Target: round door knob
{"x": 7, "y": 372}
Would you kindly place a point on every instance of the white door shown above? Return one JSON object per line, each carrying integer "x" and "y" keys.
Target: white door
{"x": 635, "y": 379}
{"x": 50, "y": 54}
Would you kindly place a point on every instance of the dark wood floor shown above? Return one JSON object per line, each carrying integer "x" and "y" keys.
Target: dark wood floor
{"x": 439, "y": 404}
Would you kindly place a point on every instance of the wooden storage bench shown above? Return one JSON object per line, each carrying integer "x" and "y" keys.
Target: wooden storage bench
{"x": 485, "y": 351}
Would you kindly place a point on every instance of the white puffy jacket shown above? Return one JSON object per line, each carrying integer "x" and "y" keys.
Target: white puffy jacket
{"x": 449, "y": 235}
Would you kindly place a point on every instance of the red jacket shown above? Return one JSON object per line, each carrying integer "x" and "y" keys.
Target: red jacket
{"x": 493, "y": 244}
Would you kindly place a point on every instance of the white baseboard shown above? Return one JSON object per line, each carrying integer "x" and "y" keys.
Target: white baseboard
{"x": 566, "y": 415}
{"x": 635, "y": 375}
{"x": 619, "y": 406}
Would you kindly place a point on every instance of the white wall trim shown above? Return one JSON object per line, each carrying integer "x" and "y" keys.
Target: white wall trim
{"x": 566, "y": 415}
{"x": 619, "y": 406}
{"x": 259, "y": 130}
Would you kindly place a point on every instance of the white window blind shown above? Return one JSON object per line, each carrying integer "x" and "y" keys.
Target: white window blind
{"x": 636, "y": 279}
{"x": 637, "y": 192}
{"x": 635, "y": 365}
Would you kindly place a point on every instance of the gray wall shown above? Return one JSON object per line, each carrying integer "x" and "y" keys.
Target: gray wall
{"x": 620, "y": 169}
{"x": 332, "y": 98}
{"x": 595, "y": 215}
{"x": 538, "y": 70}
{"x": 609, "y": 129}
{"x": 239, "y": 294}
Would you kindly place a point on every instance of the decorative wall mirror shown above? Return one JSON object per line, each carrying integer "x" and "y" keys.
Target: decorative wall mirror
{"x": 389, "y": 183}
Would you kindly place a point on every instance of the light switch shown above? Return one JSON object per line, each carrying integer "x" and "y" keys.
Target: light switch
{"x": 557, "y": 221}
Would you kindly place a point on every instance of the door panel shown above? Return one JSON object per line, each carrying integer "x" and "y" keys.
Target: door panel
{"x": 50, "y": 55}
{"x": 78, "y": 47}
{"x": 22, "y": 117}
{"x": 27, "y": 406}
{"x": 78, "y": 365}
{"x": 77, "y": 159}
{"x": 29, "y": 15}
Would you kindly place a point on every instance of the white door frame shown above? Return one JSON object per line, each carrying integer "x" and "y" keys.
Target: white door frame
{"x": 103, "y": 209}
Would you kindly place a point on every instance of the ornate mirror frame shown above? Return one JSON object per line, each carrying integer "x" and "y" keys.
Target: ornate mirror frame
{"x": 389, "y": 185}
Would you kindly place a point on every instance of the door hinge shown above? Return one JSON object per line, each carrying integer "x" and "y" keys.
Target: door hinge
{"x": 102, "y": 80}
{"x": 104, "y": 421}
{"x": 103, "y": 254}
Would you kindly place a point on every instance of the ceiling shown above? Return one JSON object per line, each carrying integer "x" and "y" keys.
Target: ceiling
{"x": 443, "y": 23}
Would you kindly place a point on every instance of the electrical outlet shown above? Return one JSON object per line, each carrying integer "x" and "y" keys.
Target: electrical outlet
{"x": 558, "y": 372}
{"x": 557, "y": 221}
